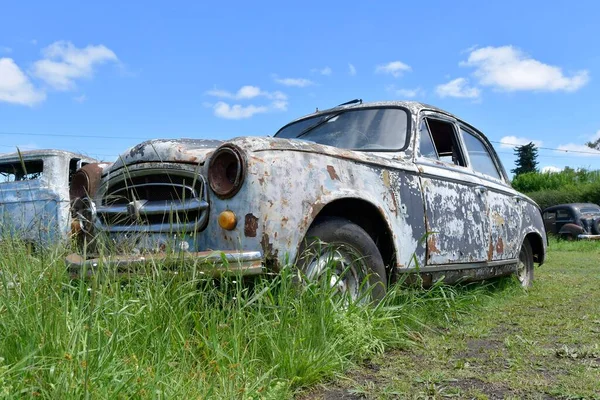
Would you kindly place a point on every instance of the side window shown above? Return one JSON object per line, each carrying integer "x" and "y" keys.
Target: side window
{"x": 445, "y": 141}
{"x": 550, "y": 216}
{"x": 563, "y": 215}
{"x": 426, "y": 144}
{"x": 73, "y": 167}
{"x": 481, "y": 159}
{"x": 21, "y": 171}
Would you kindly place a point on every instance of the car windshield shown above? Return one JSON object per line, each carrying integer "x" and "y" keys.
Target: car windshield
{"x": 590, "y": 210}
{"x": 364, "y": 129}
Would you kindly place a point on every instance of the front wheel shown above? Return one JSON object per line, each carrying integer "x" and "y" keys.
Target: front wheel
{"x": 525, "y": 265}
{"x": 345, "y": 253}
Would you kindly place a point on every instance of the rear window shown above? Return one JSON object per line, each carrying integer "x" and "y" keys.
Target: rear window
{"x": 590, "y": 210}
{"x": 21, "y": 171}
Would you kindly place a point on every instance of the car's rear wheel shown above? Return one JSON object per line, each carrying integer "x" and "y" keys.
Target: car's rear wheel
{"x": 525, "y": 265}
{"x": 342, "y": 252}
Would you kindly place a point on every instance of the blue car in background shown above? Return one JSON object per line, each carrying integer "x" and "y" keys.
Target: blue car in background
{"x": 34, "y": 194}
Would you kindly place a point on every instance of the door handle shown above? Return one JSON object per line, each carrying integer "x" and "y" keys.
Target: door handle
{"x": 480, "y": 189}
{"x": 517, "y": 198}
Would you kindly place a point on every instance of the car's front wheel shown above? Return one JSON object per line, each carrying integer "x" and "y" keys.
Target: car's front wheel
{"x": 525, "y": 265}
{"x": 343, "y": 252}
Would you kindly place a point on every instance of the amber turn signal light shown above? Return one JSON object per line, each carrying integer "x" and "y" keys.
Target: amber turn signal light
{"x": 227, "y": 220}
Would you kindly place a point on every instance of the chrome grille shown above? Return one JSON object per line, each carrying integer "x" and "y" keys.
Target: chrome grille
{"x": 154, "y": 200}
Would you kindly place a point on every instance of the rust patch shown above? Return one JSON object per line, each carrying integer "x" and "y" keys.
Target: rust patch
{"x": 261, "y": 180}
{"x": 395, "y": 202}
{"x": 432, "y": 244}
{"x": 250, "y": 225}
{"x": 332, "y": 174}
{"x": 269, "y": 255}
{"x": 284, "y": 221}
{"x": 490, "y": 253}
{"x": 386, "y": 178}
{"x": 500, "y": 246}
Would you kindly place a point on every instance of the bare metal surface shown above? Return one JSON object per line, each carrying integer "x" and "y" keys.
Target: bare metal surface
{"x": 38, "y": 210}
{"x": 435, "y": 213}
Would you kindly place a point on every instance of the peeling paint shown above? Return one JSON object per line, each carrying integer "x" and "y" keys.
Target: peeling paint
{"x": 332, "y": 174}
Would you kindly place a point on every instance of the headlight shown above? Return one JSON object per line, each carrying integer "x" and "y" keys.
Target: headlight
{"x": 226, "y": 171}
{"x": 85, "y": 182}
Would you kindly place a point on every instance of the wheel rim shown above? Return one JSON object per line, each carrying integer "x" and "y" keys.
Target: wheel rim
{"x": 341, "y": 268}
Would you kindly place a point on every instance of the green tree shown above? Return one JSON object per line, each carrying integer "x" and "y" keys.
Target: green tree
{"x": 526, "y": 159}
{"x": 594, "y": 144}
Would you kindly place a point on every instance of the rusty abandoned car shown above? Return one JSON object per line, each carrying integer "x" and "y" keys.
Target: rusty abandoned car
{"x": 573, "y": 221}
{"x": 373, "y": 189}
{"x": 34, "y": 194}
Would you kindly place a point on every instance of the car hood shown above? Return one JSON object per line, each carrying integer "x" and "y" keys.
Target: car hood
{"x": 168, "y": 150}
{"x": 197, "y": 151}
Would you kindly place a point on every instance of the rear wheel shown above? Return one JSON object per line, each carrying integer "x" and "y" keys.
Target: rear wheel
{"x": 525, "y": 265}
{"x": 344, "y": 253}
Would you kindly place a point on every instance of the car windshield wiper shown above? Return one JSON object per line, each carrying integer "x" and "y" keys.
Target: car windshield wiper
{"x": 319, "y": 123}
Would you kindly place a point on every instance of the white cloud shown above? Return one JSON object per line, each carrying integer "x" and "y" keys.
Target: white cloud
{"x": 15, "y": 86}
{"x": 394, "y": 68}
{"x": 63, "y": 63}
{"x": 510, "y": 142}
{"x": 458, "y": 87}
{"x": 409, "y": 93}
{"x": 551, "y": 169}
{"x": 297, "y": 82}
{"x": 323, "y": 71}
{"x": 508, "y": 68}
{"x": 237, "y": 111}
{"x": 579, "y": 150}
{"x": 247, "y": 92}
{"x": 351, "y": 70}
{"x": 5, "y": 49}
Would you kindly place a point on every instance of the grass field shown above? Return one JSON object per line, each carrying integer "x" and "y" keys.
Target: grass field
{"x": 539, "y": 344}
{"x": 181, "y": 336}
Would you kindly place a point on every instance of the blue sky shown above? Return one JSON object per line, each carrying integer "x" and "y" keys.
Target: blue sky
{"x": 519, "y": 71}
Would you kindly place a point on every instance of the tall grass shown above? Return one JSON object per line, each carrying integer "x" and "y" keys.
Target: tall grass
{"x": 169, "y": 335}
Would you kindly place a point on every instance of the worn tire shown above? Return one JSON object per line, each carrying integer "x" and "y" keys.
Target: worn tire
{"x": 525, "y": 265}
{"x": 334, "y": 235}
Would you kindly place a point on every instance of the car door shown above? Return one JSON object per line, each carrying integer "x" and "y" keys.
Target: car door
{"x": 563, "y": 216}
{"x": 454, "y": 197}
{"x": 504, "y": 204}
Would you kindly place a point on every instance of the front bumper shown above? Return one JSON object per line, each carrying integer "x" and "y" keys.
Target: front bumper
{"x": 588, "y": 237}
{"x": 209, "y": 263}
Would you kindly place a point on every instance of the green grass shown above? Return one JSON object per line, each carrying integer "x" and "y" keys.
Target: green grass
{"x": 539, "y": 344}
{"x": 171, "y": 335}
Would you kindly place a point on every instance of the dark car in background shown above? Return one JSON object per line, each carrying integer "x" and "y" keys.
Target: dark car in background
{"x": 573, "y": 221}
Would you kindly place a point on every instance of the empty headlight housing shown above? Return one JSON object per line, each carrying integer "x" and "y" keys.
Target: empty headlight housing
{"x": 226, "y": 171}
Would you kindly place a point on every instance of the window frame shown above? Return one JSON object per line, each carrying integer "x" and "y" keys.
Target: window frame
{"x": 492, "y": 154}
{"x": 459, "y": 143}
{"x": 338, "y": 110}
{"x": 22, "y": 162}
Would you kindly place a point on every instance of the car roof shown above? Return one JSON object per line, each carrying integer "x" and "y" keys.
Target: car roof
{"x": 573, "y": 206}
{"x": 29, "y": 154}
{"x": 413, "y": 106}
